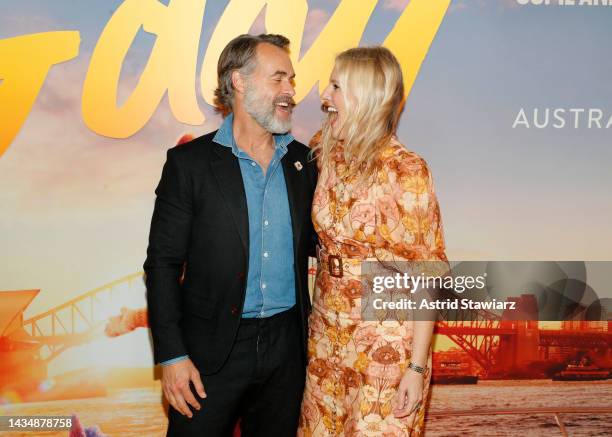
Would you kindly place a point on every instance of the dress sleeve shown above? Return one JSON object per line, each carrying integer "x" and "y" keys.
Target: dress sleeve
{"x": 314, "y": 141}
{"x": 409, "y": 225}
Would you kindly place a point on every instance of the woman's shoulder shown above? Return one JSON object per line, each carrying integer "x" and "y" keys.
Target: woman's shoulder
{"x": 315, "y": 140}
{"x": 396, "y": 157}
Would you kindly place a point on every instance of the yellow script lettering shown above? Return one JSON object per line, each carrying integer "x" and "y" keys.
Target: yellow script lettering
{"x": 24, "y": 64}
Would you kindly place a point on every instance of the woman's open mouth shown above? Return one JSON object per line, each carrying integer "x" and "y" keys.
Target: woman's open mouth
{"x": 331, "y": 111}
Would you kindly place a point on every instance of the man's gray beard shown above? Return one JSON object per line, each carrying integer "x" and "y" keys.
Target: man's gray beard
{"x": 255, "y": 106}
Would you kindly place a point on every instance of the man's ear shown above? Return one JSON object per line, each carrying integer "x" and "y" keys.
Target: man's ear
{"x": 238, "y": 81}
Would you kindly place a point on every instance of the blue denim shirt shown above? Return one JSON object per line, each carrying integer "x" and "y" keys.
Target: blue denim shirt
{"x": 271, "y": 278}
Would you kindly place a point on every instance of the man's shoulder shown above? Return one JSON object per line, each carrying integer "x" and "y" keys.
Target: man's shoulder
{"x": 194, "y": 145}
{"x": 296, "y": 147}
{"x": 196, "y": 148}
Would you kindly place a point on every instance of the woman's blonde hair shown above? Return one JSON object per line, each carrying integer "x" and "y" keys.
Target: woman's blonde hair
{"x": 373, "y": 87}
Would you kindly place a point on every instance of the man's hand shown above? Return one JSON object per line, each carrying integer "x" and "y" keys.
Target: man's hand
{"x": 175, "y": 383}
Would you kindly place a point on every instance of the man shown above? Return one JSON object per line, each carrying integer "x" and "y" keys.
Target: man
{"x": 233, "y": 216}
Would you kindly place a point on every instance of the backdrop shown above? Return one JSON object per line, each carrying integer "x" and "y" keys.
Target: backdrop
{"x": 509, "y": 101}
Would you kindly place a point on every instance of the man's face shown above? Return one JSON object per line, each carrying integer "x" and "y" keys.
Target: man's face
{"x": 269, "y": 91}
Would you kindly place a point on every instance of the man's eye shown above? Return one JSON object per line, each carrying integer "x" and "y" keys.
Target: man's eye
{"x": 336, "y": 87}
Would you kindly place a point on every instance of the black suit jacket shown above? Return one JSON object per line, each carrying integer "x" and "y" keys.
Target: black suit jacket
{"x": 201, "y": 221}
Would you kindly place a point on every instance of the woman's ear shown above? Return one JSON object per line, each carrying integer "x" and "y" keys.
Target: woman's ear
{"x": 350, "y": 99}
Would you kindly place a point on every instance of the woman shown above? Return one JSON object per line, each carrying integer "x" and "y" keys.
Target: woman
{"x": 374, "y": 201}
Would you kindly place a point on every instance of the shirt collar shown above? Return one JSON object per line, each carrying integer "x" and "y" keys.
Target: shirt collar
{"x": 225, "y": 137}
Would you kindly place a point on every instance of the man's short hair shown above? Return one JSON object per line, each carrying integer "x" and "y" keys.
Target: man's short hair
{"x": 240, "y": 54}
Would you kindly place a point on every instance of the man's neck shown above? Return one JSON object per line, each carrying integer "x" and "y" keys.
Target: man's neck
{"x": 249, "y": 135}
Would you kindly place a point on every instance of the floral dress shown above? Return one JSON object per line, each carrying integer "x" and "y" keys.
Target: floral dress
{"x": 355, "y": 366}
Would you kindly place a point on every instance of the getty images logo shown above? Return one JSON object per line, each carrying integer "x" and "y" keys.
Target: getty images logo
{"x": 566, "y": 2}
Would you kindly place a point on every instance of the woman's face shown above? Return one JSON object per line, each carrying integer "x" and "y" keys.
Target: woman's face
{"x": 332, "y": 102}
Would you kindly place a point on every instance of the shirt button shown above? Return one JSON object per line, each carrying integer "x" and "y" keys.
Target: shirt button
{"x": 253, "y": 164}
{"x": 263, "y": 285}
{"x": 265, "y": 254}
{"x": 266, "y": 223}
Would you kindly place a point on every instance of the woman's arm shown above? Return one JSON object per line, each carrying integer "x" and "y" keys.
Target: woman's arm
{"x": 421, "y": 214}
{"x": 423, "y": 332}
{"x": 409, "y": 395}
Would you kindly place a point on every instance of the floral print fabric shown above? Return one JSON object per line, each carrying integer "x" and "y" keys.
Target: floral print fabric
{"x": 355, "y": 366}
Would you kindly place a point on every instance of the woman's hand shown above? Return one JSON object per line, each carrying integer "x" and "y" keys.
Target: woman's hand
{"x": 409, "y": 396}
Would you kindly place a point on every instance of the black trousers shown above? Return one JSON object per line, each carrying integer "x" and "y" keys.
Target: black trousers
{"x": 261, "y": 384}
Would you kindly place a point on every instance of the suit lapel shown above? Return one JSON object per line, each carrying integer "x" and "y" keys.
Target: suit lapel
{"x": 229, "y": 177}
{"x": 295, "y": 192}
{"x": 226, "y": 170}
